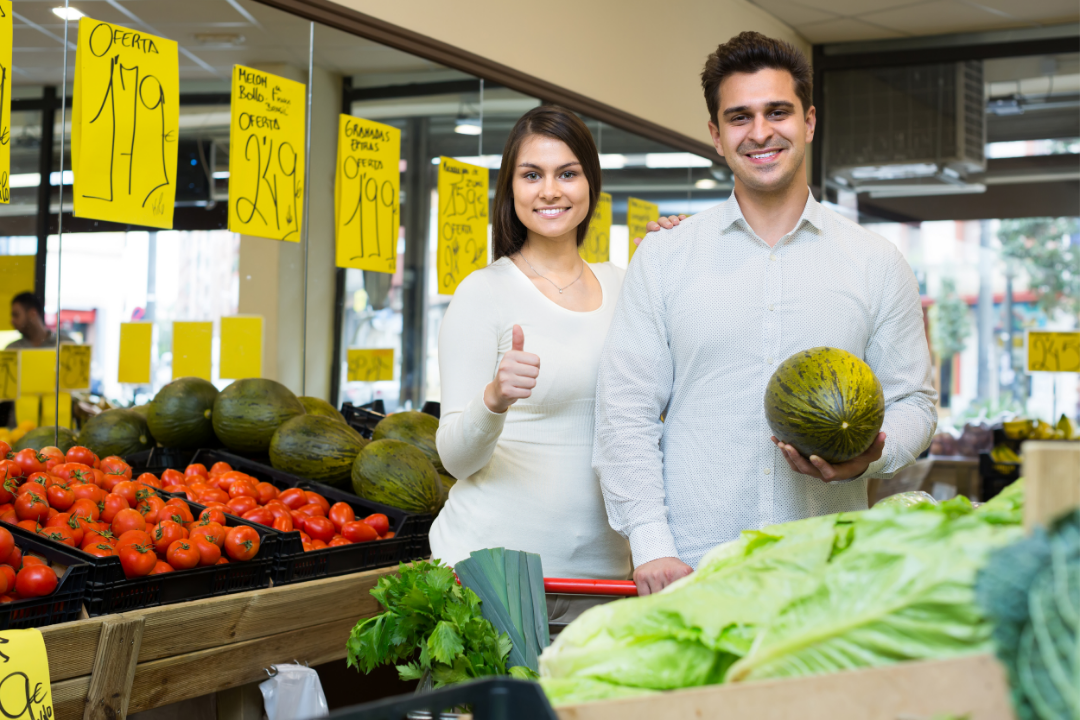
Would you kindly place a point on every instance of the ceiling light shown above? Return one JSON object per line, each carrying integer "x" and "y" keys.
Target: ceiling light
{"x": 675, "y": 160}
{"x": 67, "y": 13}
{"x": 468, "y": 126}
{"x": 219, "y": 38}
{"x": 612, "y": 161}
{"x": 706, "y": 184}
{"x": 1005, "y": 106}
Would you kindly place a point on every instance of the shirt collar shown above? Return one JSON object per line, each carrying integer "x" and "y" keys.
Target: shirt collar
{"x": 731, "y": 213}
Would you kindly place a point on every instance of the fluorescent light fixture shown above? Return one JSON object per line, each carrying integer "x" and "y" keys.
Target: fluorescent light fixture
{"x": 491, "y": 162}
{"x": 927, "y": 190}
{"x": 612, "y": 161}
{"x": 894, "y": 172}
{"x": 468, "y": 126}
{"x": 1004, "y": 106}
{"x": 706, "y": 184}
{"x": 676, "y": 160}
{"x": 21, "y": 180}
{"x": 67, "y": 13}
{"x": 221, "y": 175}
{"x": 69, "y": 178}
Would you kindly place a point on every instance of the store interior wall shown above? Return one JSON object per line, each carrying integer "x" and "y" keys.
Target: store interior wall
{"x": 621, "y": 54}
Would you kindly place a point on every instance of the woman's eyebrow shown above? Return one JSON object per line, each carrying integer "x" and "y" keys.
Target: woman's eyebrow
{"x": 561, "y": 167}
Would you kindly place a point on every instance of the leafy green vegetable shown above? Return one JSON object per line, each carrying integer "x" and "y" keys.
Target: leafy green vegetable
{"x": 431, "y": 618}
{"x": 1031, "y": 591}
{"x": 573, "y": 691}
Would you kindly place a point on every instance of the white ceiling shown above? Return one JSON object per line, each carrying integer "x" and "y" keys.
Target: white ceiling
{"x": 833, "y": 21}
{"x": 263, "y": 36}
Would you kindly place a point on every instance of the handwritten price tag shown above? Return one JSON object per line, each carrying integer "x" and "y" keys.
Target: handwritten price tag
{"x": 124, "y": 124}
{"x": 1053, "y": 351}
{"x": 367, "y": 197}
{"x": 370, "y": 365}
{"x": 5, "y": 99}
{"x": 639, "y": 214}
{"x": 25, "y": 691}
{"x": 9, "y": 374}
{"x": 266, "y": 165}
{"x": 74, "y": 367}
{"x": 597, "y": 245}
{"x": 463, "y": 222}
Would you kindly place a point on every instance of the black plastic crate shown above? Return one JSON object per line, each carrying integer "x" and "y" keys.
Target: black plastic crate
{"x": 65, "y": 603}
{"x": 496, "y": 698}
{"x": 295, "y": 565}
{"x": 364, "y": 418}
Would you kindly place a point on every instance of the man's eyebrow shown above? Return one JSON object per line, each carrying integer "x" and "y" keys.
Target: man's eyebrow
{"x": 772, "y": 104}
{"x": 537, "y": 167}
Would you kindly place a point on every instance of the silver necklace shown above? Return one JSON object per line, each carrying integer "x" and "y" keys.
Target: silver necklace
{"x": 560, "y": 289}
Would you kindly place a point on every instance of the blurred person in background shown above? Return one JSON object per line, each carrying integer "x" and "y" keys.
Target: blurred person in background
{"x": 28, "y": 317}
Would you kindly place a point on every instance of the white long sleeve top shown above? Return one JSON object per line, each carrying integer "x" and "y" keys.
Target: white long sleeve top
{"x": 525, "y": 477}
{"x": 707, "y": 313}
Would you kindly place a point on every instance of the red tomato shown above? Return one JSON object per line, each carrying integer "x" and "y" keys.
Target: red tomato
{"x": 35, "y": 581}
{"x": 182, "y": 555}
{"x": 60, "y": 497}
{"x": 29, "y": 525}
{"x": 150, "y": 508}
{"x": 100, "y": 550}
{"x": 30, "y": 460}
{"x": 53, "y": 453}
{"x": 196, "y": 469}
{"x": 211, "y": 531}
{"x": 242, "y": 504}
{"x": 75, "y": 525}
{"x": 128, "y": 490}
{"x": 137, "y": 560}
{"x": 4, "y": 449}
{"x": 212, "y": 495}
{"x": 161, "y": 567}
{"x": 79, "y": 454}
{"x": 165, "y": 534}
{"x": 267, "y": 492}
{"x": 380, "y": 522}
{"x": 9, "y": 576}
{"x": 181, "y": 508}
{"x": 7, "y": 544}
{"x": 293, "y": 498}
{"x": 86, "y": 508}
{"x": 260, "y": 515}
{"x": 308, "y": 547}
{"x": 317, "y": 544}
{"x": 172, "y": 477}
{"x": 31, "y": 487}
{"x": 341, "y": 513}
{"x": 320, "y": 528}
{"x": 211, "y": 514}
{"x": 314, "y": 497}
{"x": 312, "y": 509}
{"x": 149, "y": 479}
{"x": 113, "y": 505}
{"x": 220, "y": 468}
{"x": 114, "y": 465}
{"x": 60, "y": 534}
{"x": 31, "y": 506}
{"x": 15, "y": 559}
{"x": 242, "y": 543}
{"x": 283, "y": 524}
{"x": 338, "y": 541}
{"x": 358, "y": 532}
{"x": 243, "y": 488}
{"x": 209, "y": 552}
{"x": 128, "y": 519}
{"x": 75, "y": 472}
{"x": 4, "y": 585}
{"x": 133, "y": 537}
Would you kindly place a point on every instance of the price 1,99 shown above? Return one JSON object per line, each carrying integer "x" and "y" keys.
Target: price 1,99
{"x": 367, "y": 202}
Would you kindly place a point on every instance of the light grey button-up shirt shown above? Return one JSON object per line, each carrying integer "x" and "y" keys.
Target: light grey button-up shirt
{"x": 705, "y": 316}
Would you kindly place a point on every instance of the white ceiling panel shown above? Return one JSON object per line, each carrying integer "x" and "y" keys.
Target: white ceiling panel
{"x": 940, "y": 16}
{"x": 852, "y": 8}
{"x": 794, "y": 14}
{"x": 845, "y": 30}
{"x": 1031, "y": 10}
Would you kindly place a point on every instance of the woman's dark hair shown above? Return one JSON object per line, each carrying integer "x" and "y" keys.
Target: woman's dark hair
{"x": 749, "y": 52}
{"x": 508, "y": 233}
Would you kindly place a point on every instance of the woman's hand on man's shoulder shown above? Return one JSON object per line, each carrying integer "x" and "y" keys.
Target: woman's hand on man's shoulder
{"x": 664, "y": 223}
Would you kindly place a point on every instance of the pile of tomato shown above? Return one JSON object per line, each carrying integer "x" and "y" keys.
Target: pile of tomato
{"x": 320, "y": 523}
{"x": 78, "y": 500}
{"x": 23, "y": 576}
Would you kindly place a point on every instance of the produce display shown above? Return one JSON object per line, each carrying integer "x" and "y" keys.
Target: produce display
{"x": 395, "y": 473}
{"x": 814, "y": 596}
{"x": 825, "y": 402}
{"x": 41, "y": 437}
{"x": 318, "y": 448}
{"x": 1031, "y": 592}
{"x": 416, "y": 428}
{"x": 180, "y": 414}
{"x": 1034, "y": 429}
{"x": 317, "y": 406}
{"x": 320, "y": 524}
{"x": 120, "y": 431}
{"x": 248, "y": 413}
{"x": 22, "y": 575}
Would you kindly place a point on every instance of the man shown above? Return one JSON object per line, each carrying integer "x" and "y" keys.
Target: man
{"x": 712, "y": 310}
{"x": 28, "y": 317}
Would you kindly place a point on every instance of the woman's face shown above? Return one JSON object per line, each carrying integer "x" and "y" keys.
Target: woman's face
{"x": 551, "y": 194}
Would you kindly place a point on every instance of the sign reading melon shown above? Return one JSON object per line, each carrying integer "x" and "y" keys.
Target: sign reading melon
{"x": 366, "y": 365}
{"x": 124, "y": 125}
{"x": 1049, "y": 351}
{"x": 367, "y": 198}
{"x": 463, "y": 222}
{"x": 266, "y": 158}
{"x": 597, "y": 245}
{"x": 5, "y": 99}
{"x": 639, "y": 213}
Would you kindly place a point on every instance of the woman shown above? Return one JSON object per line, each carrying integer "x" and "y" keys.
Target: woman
{"x": 519, "y": 352}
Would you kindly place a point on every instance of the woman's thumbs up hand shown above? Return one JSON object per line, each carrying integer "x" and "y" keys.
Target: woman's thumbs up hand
{"x": 515, "y": 378}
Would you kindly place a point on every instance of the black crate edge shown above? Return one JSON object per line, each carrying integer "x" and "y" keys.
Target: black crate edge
{"x": 65, "y": 603}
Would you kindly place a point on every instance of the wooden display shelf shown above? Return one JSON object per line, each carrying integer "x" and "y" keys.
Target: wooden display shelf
{"x": 106, "y": 667}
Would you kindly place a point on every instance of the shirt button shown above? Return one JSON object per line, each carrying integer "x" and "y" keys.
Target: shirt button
{"x": 769, "y": 360}
{"x": 768, "y": 471}
{"x": 772, "y": 257}
{"x": 771, "y": 307}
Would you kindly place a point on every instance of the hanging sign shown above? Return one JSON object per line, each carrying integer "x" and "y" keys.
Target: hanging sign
{"x": 191, "y": 343}
{"x": 37, "y": 372}
{"x": 5, "y": 100}
{"x": 74, "y": 367}
{"x": 135, "y": 341}
{"x": 370, "y": 365}
{"x": 367, "y": 198}
{"x": 1049, "y": 351}
{"x": 16, "y": 276}
{"x": 9, "y": 374}
{"x": 124, "y": 125}
{"x": 241, "y": 347}
{"x": 463, "y": 221}
{"x": 25, "y": 691}
{"x": 266, "y": 157}
{"x": 597, "y": 245}
{"x": 639, "y": 214}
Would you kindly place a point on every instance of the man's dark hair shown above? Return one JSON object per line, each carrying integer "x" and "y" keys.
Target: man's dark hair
{"x": 749, "y": 52}
{"x": 30, "y": 301}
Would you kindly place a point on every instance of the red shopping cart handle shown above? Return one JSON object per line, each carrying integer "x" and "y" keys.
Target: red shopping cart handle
{"x": 580, "y": 586}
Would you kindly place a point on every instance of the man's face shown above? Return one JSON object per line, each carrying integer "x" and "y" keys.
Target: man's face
{"x": 20, "y": 318}
{"x": 763, "y": 131}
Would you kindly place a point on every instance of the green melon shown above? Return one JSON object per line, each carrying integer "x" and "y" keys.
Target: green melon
{"x": 416, "y": 428}
{"x": 180, "y": 415}
{"x": 317, "y": 448}
{"x": 248, "y": 413}
{"x": 120, "y": 431}
{"x": 395, "y": 473}
{"x": 316, "y": 406}
{"x": 46, "y": 436}
{"x": 825, "y": 402}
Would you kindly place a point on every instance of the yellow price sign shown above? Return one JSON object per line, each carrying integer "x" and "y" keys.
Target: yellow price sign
{"x": 5, "y": 99}
{"x": 266, "y": 161}
{"x": 370, "y": 365}
{"x": 639, "y": 213}
{"x": 136, "y": 339}
{"x": 51, "y": 405}
{"x": 241, "y": 347}
{"x": 28, "y": 409}
{"x": 1049, "y": 351}
{"x": 191, "y": 348}
{"x": 9, "y": 374}
{"x": 74, "y": 367}
{"x": 124, "y": 124}
{"x": 25, "y": 690}
{"x": 597, "y": 245}
{"x": 16, "y": 276}
{"x": 367, "y": 195}
{"x": 463, "y": 222}
{"x": 37, "y": 372}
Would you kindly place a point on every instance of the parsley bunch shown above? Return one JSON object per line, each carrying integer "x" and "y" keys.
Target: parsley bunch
{"x": 427, "y": 611}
